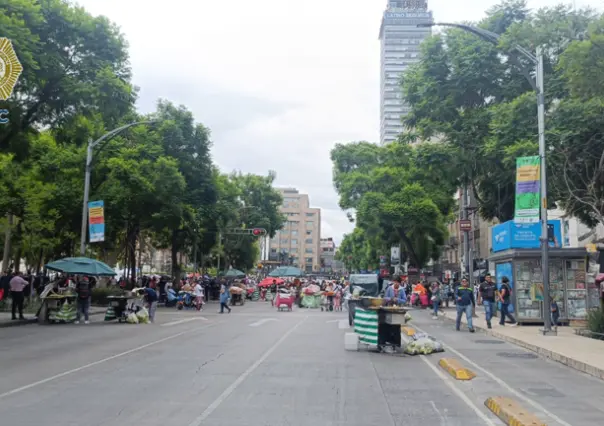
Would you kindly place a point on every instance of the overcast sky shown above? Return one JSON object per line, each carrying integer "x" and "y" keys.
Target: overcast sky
{"x": 279, "y": 82}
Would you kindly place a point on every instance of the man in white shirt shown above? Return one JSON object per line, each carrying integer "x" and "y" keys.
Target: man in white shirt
{"x": 17, "y": 284}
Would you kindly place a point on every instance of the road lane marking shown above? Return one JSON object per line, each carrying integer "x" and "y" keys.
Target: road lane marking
{"x": 449, "y": 382}
{"x": 330, "y": 321}
{"x": 168, "y": 324}
{"x": 262, "y": 321}
{"x": 520, "y": 396}
{"x": 228, "y": 391}
{"x": 101, "y": 361}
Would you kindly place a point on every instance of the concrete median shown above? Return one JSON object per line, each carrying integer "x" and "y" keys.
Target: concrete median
{"x": 455, "y": 369}
{"x": 512, "y": 413}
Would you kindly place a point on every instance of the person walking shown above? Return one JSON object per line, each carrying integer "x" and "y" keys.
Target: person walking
{"x": 504, "y": 297}
{"x": 224, "y": 298}
{"x": 464, "y": 301}
{"x": 488, "y": 289}
{"x": 17, "y": 284}
{"x": 83, "y": 301}
{"x": 436, "y": 298}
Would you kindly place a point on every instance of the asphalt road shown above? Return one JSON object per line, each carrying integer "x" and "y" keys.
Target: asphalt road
{"x": 260, "y": 367}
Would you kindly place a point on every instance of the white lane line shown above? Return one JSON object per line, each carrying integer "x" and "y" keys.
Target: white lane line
{"x": 228, "y": 391}
{"x": 101, "y": 361}
{"x": 262, "y": 321}
{"x": 519, "y": 395}
{"x": 449, "y": 382}
{"x": 330, "y": 321}
{"x": 443, "y": 419}
{"x": 168, "y": 324}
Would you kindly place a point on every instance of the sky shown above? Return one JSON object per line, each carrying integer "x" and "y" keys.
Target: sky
{"x": 278, "y": 82}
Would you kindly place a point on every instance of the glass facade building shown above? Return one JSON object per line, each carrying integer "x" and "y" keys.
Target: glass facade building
{"x": 400, "y": 39}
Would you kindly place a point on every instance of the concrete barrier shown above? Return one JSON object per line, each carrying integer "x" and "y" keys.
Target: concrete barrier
{"x": 512, "y": 413}
{"x": 455, "y": 369}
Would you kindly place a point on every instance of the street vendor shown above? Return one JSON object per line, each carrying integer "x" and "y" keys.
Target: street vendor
{"x": 395, "y": 294}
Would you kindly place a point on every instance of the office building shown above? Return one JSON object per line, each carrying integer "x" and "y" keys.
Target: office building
{"x": 298, "y": 242}
{"x": 400, "y": 40}
{"x": 328, "y": 252}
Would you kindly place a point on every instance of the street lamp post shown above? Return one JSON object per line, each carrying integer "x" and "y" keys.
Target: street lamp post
{"x": 89, "y": 152}
{"x": 538, "y": 85}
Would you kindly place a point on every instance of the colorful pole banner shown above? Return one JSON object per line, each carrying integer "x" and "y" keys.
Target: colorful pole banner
{"x": 526, "y": 209}
{"x": 96, "y": 221}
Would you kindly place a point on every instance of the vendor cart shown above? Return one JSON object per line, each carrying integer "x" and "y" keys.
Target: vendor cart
{"x": 380, "y": 326}
{"x": 121, "y": 306}
{"x": 57, "y": 308}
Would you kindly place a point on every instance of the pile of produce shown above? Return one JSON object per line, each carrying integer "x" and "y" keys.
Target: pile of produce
{"x": 143, "y": 316}
{"x": 236, "y": 290}
{"x": 67, "y": 313}
{"x": 423, "y": 344}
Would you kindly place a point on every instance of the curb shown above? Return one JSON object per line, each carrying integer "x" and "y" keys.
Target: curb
{"x": 11, "y": 323}
{"x": 17, "y": 323}
{"x": 546, "y": 353}
{"x": 511, "y": 413}
{"x": 455, "y": 369}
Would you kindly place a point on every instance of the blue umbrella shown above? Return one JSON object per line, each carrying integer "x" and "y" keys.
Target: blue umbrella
{"x": 81, "y": 266}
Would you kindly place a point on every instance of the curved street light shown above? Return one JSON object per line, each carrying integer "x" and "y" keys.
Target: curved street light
{"x": 89, "y": 151}
{"x": 538, "y": 86}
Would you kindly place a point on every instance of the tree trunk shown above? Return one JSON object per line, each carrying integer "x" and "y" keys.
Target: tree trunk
{"x": 7, "y": 247}
{"x": 19, "y": 252}
{"x": 174, "y": 255}
{"x": 40, "y": 261}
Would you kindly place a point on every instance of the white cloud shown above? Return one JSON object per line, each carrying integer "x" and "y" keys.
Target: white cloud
{"x": 277, "y": 81}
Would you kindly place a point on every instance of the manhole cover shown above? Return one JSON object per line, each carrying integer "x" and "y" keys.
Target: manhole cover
{"x": 490, "y": 342}
{"x": 522, "y": 355}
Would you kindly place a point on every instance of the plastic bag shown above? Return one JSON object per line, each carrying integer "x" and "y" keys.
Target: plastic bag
{"x": 132, "y": 318}
{"x": 425, "y": 345}
{"x": 143, "y": 316}
{"x": 407, "y": 317}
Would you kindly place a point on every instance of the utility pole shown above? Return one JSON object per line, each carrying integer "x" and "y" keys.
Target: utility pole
{"x": 547, "y": 323}
{"x": 466, "y": 232}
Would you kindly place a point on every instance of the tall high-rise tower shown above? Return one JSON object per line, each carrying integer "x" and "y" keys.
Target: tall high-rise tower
{"x": 400, "y": 38}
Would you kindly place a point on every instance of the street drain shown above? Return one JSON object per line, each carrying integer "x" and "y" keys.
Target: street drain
{"x": 492, "y": 342}
{"x": 522, "y": 355}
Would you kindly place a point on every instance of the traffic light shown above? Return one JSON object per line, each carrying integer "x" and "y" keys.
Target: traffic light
{"x": 257, "y": 232}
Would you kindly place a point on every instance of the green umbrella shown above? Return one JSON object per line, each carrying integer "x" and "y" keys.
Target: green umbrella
{"x": 286, "y": 271}
{"x": 233, "y": 273}
{"x": 81, "y": 266}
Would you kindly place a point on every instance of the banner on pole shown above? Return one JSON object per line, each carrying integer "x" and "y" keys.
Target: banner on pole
{"x": 96, "y": 221}
{"x": 526, "y": 208}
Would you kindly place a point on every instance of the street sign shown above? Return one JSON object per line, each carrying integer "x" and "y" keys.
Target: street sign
{"x": 465, "y": 225}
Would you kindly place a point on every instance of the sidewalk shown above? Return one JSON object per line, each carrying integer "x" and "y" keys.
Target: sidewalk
{"x": 6, "y": 321}
{"x": 581, "y": 353}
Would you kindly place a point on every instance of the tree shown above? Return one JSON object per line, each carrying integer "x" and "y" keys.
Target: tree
{"x": 479, "y": 102}
{"x": 401, "y": 194}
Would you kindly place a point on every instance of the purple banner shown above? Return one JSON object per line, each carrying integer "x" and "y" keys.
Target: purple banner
{"x": 530, "y": 186}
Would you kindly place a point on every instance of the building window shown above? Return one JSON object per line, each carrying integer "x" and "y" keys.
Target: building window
{"x": 284, "y": 241}
{"x": 310, "y": 224}
{"x": 308, "y": 232}
{"x": 308, "y": 250}
{"x": 273, "y": 250}
{"x": 294, "y": 233}
{"x": 310, "y": 214}
{"x": 308, "y": 241}
{"x": 309, "y": 260}
{"x": 294, "y": 242}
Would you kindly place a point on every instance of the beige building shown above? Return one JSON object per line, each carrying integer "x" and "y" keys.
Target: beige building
{"x": 298, "y": 243}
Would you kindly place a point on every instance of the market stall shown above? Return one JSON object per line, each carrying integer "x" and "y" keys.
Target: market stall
{"x": 567, "y": 278}
{"x": 59, "y": 302}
